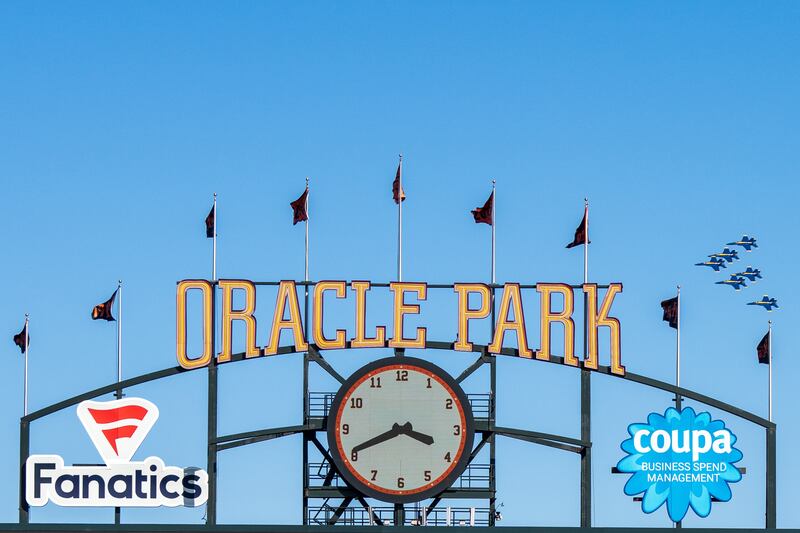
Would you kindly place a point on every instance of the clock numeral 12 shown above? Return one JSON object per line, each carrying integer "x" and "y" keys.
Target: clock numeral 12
{"x": 402, "y": 375}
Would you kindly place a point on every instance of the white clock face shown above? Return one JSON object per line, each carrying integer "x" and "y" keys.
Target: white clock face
{"x": 401, "y": 430}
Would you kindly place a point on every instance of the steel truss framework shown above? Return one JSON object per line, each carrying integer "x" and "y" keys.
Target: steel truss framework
{"x": 486, "y": 433}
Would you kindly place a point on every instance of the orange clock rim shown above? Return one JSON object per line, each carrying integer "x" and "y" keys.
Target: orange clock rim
{"x": 459, "y": 461}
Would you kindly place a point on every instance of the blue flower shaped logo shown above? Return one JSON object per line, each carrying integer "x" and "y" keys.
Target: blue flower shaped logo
{"x": 681, "y": 458}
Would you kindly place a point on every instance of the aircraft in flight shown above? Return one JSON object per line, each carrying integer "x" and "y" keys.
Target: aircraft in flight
{"x": 745, "y": 242}
{"x": 727, "y": 254}
{"x": 714, "y": 263}
{"x": 735, "y": 281}
{"x": 750, "y": 273}
{"x": 766, "y": 302}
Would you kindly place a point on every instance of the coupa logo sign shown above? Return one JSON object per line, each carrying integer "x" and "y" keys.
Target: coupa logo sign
{"x": 682, "y": 459}
{"x": 117, "y": 429}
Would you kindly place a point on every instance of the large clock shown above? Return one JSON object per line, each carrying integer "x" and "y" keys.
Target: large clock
{"x": 400, "y": 430}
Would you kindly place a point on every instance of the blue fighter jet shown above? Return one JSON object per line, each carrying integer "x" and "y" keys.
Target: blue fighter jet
{"x": 751, "y": 273}
{"x": 766, "y": 302}
{"x": 727, "y": 254}
{"x": 736, "y": 282}
{"x": 714, "y": 263}
{"x": 745, "y": 242}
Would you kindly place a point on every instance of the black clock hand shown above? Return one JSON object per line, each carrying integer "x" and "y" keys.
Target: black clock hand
{"x": 383, "y": 437}
{"x": 407, "y": 429}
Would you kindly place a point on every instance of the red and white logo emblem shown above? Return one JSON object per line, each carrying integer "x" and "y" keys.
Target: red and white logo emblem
{"x": 117, "y": 427}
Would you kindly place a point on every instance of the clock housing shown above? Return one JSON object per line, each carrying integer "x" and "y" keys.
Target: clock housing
{"x": 400, "y": 429}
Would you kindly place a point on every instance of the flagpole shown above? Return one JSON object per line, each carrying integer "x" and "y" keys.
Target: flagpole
{"x": 400, "y": 221}
{"x": 586, "y": 242}
{"x": 25, "y": 371}
{"x": 307, "y": 222}
{"x": 678, "y": 352}
{"x": 214, "y": 256}
{"x": 494, "y": 209}
{"x": 769, "y": 388}
{"x": 119, "y": 336}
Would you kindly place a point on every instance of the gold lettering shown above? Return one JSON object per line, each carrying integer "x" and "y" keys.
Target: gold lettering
{"x": 208, "y": 328}
{"x": 287, "y": 296}
{"x": 318, "y": 334}
{"x": 401, "y": 308}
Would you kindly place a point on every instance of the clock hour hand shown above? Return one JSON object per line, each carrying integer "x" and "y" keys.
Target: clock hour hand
{"x": 407, "y": 429}
{"x": 383, "y": 437}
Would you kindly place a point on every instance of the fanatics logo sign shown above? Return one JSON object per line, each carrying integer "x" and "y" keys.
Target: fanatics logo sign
{"x": 117, "y": 429}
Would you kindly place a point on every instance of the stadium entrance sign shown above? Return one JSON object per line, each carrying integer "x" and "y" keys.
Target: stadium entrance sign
{"x": 287, "y": 316}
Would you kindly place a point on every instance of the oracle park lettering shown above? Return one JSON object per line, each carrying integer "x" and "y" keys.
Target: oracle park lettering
{"x": 116, "y": 428}
{"x": 510, "y": 318}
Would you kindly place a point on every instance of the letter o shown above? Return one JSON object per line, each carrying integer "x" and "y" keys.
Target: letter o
{"x": 664, "y": 436}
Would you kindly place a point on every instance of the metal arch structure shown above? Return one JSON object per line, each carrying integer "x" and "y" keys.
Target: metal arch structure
{"x": 487, "y": 428}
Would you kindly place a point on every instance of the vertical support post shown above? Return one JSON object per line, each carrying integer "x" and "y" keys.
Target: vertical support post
{"x": 24, "y": 450}
{"x": 771, "y": 506}
{"x": 399, "y": 515}
{"x": 306, "y": 413}
{"x": 492, "y": 417}
{"x": 211, "y": 505}
{"x": 678, "y": 399}
{"x": 586, "y": 393}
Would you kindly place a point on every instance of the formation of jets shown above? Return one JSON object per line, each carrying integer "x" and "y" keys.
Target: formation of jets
{"x": 719, "y": 260}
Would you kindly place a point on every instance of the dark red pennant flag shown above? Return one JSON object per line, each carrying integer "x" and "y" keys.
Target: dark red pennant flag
{"x": 670, "y": 308}
{"x": 211, "y": 221}
{"x": 582, "y": 233}
{"x": 103, "y": 311}
{"x": 300, "y": 208}
{"x": 763, "y": 350}
{"x": 398, "y": 194}
{"x": 483, "y": 215}
{"x": 22, "y": 339}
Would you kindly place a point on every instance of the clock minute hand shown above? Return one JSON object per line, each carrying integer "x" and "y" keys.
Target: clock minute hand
{"x": 383, "y": 437}
{"x": 407, "y": 429}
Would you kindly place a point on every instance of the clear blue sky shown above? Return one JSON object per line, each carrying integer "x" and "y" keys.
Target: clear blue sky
{"x": 679, "y": 122}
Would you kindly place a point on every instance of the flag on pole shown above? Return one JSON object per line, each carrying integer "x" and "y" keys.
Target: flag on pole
{"x": 300, "y": 208}
{"x": 763, "y": 350}
{"x": 582, "y": 233}
{"x": 483, "y": 215}
{"x": 22, "y": 339}
{"x": 211, "y": 221}
{"x": 103, "y": 311}
{"x": 398, "y": 194}
{"x": 670, "y": 308}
